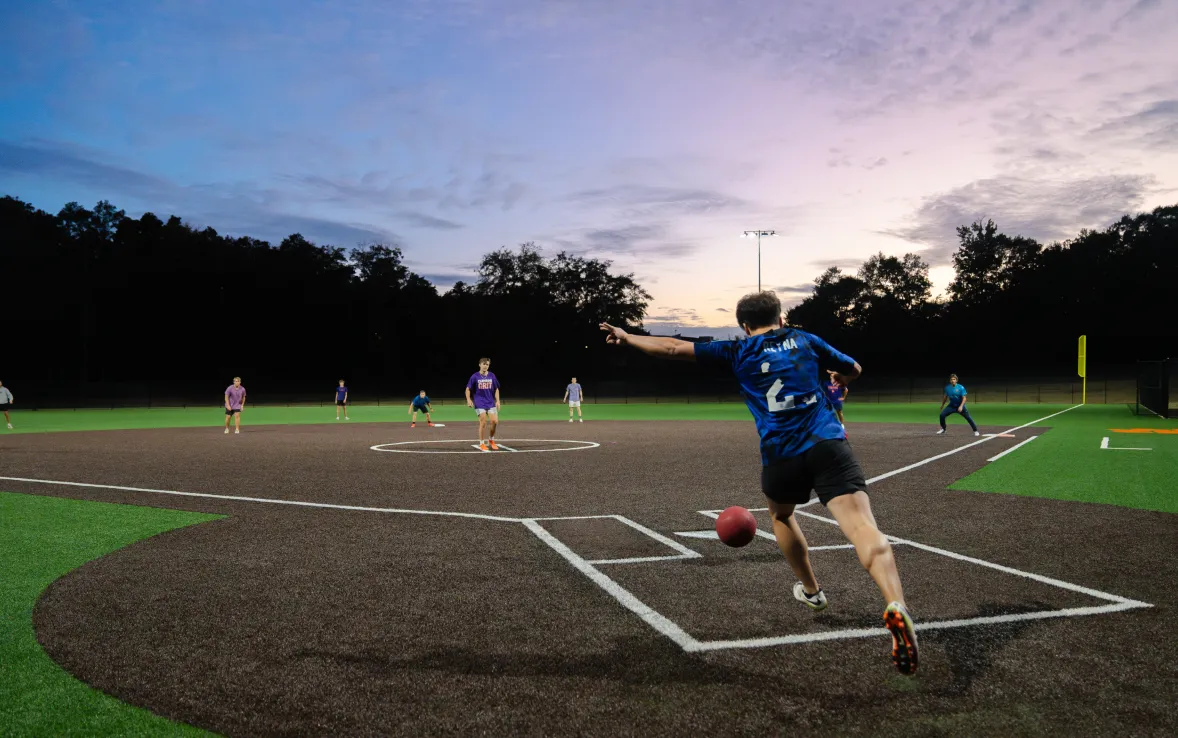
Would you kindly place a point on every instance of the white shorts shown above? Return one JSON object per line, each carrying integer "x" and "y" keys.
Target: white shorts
{"x": 482, "y": 411}
{"x": 574, "y": 403}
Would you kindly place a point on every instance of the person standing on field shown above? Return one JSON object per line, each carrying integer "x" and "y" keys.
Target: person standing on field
{"x": 234, "y": 404}
{"x": 955, "y": 396}
{"x": 5, "y": 403}
{"x": 572, "y": 395}
{"x": 804, "y": 449}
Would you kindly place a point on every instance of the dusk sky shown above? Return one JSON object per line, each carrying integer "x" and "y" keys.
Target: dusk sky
{"x": 647, "y": 133}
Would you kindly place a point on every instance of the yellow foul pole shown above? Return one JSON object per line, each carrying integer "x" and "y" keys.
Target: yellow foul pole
{"x": 1083, "y": 369}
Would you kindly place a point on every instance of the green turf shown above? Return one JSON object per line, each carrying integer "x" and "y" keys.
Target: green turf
{"x": 42, "y": 539}
{"x": 1067, "y": 463}
{"x": 45, "y": 421}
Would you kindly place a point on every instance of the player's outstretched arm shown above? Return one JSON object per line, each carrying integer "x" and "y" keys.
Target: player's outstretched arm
{"x": 663, "y": 348}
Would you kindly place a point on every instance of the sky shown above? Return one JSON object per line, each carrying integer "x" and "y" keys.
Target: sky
{"x": 651, "y": 134}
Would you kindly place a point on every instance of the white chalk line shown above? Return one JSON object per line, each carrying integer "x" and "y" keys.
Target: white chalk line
{"x": 649, "y": 615}
{"x": 585, "y": 445}
{"x": 1104, "y": 445}
{"x": 832, "y": 635}
{"x": 959, "y": 449}
{"x": 296, "y": 503}
{"x": 1015, "y": 447}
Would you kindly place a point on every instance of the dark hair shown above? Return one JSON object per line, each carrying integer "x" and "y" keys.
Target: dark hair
{"x": 484, "y": 359}
{"x": 952, "y": 376}
{"x": 421, "y": 392}
{"x": 758, "y": 310}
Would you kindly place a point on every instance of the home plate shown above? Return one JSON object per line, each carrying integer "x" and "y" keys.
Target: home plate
{"x": 998, "y": 435}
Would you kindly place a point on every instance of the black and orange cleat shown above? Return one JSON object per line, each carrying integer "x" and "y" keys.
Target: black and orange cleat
{"x": 899, "y": 624}
{"x": 413, "y": 425}
{"x": 431, "y": 424}
{"x": 493, "y": 446}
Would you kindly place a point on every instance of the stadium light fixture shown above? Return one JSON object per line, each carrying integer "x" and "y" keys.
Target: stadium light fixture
{"x": 758, "y": 234}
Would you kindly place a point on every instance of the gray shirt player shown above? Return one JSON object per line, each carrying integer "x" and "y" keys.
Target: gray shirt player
{"x": 5, "y": 396}
{"x": 574, "y": 391}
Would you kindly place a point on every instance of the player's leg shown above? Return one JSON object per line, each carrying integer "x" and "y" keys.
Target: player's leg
{"x": 237, "y": 421}
{"x": 228, "y": 419}
{"x": 792, "y": 543}
{"x": 944, "y": 414}
{"x": 7, "y": 419}
{"x": 413, "y": 418}
{"x": 337, "y": 408}
{"x": 429, "y": 421}
{"x": 965, "y": 414}
{"x": 482, "y": 429}
{"x": 580, "y": 415}
{"x": 839, "y": 412}
{"x": 492, "y": 423}
{"x": 785, "y": 485}
{"x": 346, "y": 411}
{"x": 840, "y": 484}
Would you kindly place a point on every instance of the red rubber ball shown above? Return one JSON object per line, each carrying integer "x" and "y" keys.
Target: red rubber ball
{"x": 736, "y": 526}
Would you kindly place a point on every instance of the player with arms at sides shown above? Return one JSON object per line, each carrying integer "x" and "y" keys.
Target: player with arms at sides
{"x": 5, "y": 403}
{"x": 572, "y": 395}
{"x": 234, "y": 404}
{"x": 485, "y": 402}
{"x": 803, "y": 446}
{"x": 837, "y": 393}
{"x": 341, "y": 400}
{"x": 955, "y": 395}
{"x": 422, "y": 404}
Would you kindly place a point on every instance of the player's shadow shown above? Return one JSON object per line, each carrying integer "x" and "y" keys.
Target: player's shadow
{"x": 971, "y": 650}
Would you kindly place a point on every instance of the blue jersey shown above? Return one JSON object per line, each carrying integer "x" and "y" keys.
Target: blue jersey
{"x": 420, "y": 401}
{"x": 779, "y": 378}
{"x": 956, "y": 394}
{"x": 340, "y": 393}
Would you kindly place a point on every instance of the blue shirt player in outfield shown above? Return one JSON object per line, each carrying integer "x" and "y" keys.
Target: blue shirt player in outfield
{"x": 420, "y": 404}
{"x": 955, "y": 396}
{"x": 803, "y": 445}
{"x": 485, "y": 402}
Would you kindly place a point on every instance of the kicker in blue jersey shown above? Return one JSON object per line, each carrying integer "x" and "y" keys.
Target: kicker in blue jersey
{"x": 781, "y": 377}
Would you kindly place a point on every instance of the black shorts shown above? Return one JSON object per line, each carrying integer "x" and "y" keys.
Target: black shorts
{"x": 4, "y": 406}
{"x": 230, "y": 412}
{"x": 828, "y": 468}
{"x": 341, "y": 403}
{"x": 417, "y": 409}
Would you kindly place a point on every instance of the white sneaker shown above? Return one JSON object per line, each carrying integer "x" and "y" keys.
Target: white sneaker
{"x": 237, "y": 430}
{"x": 814, "y": 601}
{"x": 582, "y": 420}
{"x": 226, "y": 430}
{"x": 976, "y": 433}
{"x": 346, "y": 418}
{"x": 10, "y": 426}
{"x": 940, "y": 431}
{"x": 570, "y": 420}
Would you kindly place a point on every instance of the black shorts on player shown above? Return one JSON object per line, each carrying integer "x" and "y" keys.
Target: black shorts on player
{"x": 341, "y": 403}
{"x": 828, "y": 468}
{"x": 230, "y": 412}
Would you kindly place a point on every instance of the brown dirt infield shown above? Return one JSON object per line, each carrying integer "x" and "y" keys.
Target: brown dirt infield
{"x": 284, "y": 620}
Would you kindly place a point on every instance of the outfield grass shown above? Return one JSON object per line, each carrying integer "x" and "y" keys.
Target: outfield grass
{"x": 1067, "y": 463}
{"x": 48, "y": 421}
{"x": 43, "y": 539}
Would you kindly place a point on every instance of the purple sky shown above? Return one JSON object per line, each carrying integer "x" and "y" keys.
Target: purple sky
{"x": 651, "y": 134}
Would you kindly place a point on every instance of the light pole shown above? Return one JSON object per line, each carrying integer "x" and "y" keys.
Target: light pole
{"x": 758, "y": 234}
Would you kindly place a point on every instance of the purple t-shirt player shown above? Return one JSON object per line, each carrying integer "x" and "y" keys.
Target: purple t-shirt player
{"x": 236, "y": 395}
{"x": 484, "y": 386}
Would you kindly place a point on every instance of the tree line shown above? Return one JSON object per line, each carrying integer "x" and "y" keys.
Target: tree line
{"x": 1015, "y": 307}
{"x": 94, "y": 296}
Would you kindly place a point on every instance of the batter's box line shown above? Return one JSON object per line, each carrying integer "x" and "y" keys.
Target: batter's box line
{"x": 683, "y": 551}
{"x": 689, "y": 643}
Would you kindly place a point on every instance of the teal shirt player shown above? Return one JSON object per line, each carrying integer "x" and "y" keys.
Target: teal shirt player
{"x": 956, "y": 394}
